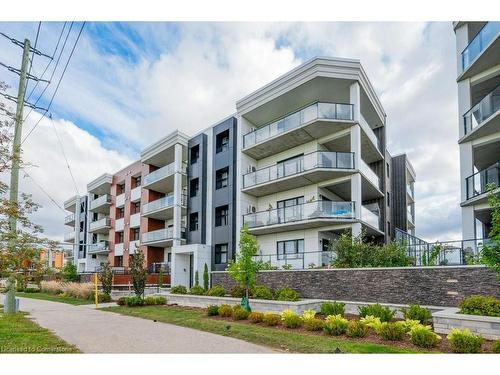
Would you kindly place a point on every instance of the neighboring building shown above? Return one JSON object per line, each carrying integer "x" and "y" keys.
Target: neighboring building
{"x": 302, "y": 160}
{"x": 77, "y": 220}
{"x": 52, "y": 259}
{"x": 478, "y": 66}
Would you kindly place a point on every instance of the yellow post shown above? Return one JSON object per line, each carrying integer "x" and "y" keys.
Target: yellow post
{"x": 96, "y": 293}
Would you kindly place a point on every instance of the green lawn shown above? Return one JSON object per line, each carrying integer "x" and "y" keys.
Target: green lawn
{"x": 20, "y": 335}
{"x": 275, "y": 338}
{"x": 55, "y": 298}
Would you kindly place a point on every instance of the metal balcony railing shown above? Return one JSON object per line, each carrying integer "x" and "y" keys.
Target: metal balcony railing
{"x": 477, "y": 183}
{"x": 482, "y": 110}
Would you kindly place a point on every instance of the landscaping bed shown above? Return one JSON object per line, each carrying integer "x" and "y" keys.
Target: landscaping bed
{"x": 55, "y": 298}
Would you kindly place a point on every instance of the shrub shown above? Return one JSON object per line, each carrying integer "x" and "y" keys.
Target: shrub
{"x": 122, "y": 301}
{"x": 290, "y": 319}
{"x": 237, "y": 291}
{"x": 31, "y": 290}
{"x": 69, "y": 272}
{"x": 256, "y": 317}
{"x": 335, "y": 325}
{"x": 178, "y": 289}
{"x": 371, "y": 322}
{"x": 416, "y": 312}
{"x": 495, "y": 348}
{"x": 480, "y": 305}
{"x": 314, "y": 324}
{"x": 392, "y": 331}
{"x": 287, "y": 294}
{"x": 216, "y": 291}
{"x": 384, "y": 313}
{"x": 410, "y": 324}
{"x": 332, "y": 308}
{"x": 101, "y": 297}
{"x": 239, "y": 313}
{"x": 51, "y": 287}
{"x": 271, "y": 319}
{"x": 225, "y": 311}
{"x": 464, "y": 341}
{"x": 308, "y": 314}
{"x": 355, "y": 328}
{"x": 197, "y": 290}
{"x": 424, "y": 337}
{"x": 134, "y": 301}
{"x": 213, "y": 310}
{"x": 155, "y": 300}
{"x": 205, "y": 277}
{"x": 262, "y": 292}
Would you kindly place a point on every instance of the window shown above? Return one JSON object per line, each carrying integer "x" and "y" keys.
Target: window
{"x": 136, "y": 234}
{"x": 222, "y": 141}
{"x": 119, "y": 237}
{"x": 388, "y": 199}
{"x": 387, "y": 168}
{"x": 389, "y": 228}
{"x": 290, "y": 249}
{"x": 81, "y": 225}
{"x": 120, "y": 212}
{"x": 94, "y": 237}
{"x": 82, "y": 207}
{"x": 193, "y": 221}
{"x": 195, "y": 154}
{"x": 194, "y": 186}
{"x": 137, "y": 181}
{"x": 221, "y": 253}
{"x": 221, "y": 177}
{"x": 120, "y": 188}
{"x": 95, "y": 216}
{"x": 119, "y": 261}
{"x": 221, "y": 215}
{"x": 290, "y": 209}
{"x": 136, "y": 207}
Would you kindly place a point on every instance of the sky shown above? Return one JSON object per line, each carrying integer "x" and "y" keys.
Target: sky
{"x": 129, "y": 84}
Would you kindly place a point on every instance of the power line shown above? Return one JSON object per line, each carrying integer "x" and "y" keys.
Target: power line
{"x": 44, "y": 191}
{"x": 33, "y": 53}
{"x": 21, "y": 44}
{"x": 58, "y": 84}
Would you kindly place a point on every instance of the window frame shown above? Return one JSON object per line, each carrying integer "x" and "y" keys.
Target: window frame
{"x": 219, "y": 218}
{"x": 218, "y": 254}
{"x": 220, "y": 182}
{"x": 197, "y": 180}
{"x": 222, "y": 141}
{"x": 298, "y": 244}
{"x": 191, "y": 216}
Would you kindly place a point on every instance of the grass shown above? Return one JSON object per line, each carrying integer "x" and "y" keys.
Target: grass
{"x": 55, "y": 298}
{"x": 18, "y": 334}
{"x": 275, "y": 338}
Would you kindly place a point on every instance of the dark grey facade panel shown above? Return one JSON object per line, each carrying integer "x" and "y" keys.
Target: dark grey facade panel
{"x": 399, "y": 192}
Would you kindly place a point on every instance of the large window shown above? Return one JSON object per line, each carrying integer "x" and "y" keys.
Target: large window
{"x": 193, "y": 221}
{"x": 221, "y": 178}
{"x": 194, "y": 186}
{"x": 119, "y": 237}
{"x": 221, "y": 215}
{"x": 120, "y": 188}
{"x": 136, "y": 207}
{"x": 290, "y": 249}
{"x": 136, "y": 181}
{"x": 290, "y": 209}
{"x": 221, "y": 253}
{"x": 120, "y": 212}
{"x": 222, "y": 141}
{"x": 136, "y": 234}
{"x": 195, "y": 154}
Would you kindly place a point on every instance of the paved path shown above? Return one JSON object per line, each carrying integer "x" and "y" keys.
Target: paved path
{"x": 94, "y": 331}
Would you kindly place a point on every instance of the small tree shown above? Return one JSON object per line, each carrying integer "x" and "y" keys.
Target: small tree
{"x": 205, "y": 278}
{"x": 196, "y": 279}
{"x": 69, "y": 272}
{"x": 245, "y": 268}
{"x": 138, "y": 273}
{"x": 106, "y": 278}
{"x": 490, "y": 254}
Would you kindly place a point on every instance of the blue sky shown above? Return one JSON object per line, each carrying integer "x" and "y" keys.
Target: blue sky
{"x": 130, "y": 83}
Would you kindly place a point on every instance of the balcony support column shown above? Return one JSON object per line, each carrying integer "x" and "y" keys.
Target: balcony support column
{"x": 177, "y": 196}
{"x": 355, "y": 99}
{"x": 466, "y": 167}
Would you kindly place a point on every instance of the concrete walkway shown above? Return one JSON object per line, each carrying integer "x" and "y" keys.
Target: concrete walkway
{"x": 94, "y": 331}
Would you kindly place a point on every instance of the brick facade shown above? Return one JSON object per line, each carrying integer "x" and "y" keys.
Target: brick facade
{"x": 438, "y": 286}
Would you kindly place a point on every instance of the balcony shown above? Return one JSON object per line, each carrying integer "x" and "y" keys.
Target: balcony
{"x": 162, "y": 180}
{"x": 370, "y": 217}
{"x": 161, "y": 237}
{"x": 133, "y": 245}
{"x": 69, "y": 236}
{"x": 482, "y": 52}
{"x": 99, "y": 248}
{"x": 101, "y": 204}
{"x": 370, "y": 175}
{"x": 410, "y": 216}
{"x": 69, "y": 220}
{"x": 301, "y": 216}
{"x": 312, "y": 122}
{"x": 120, "y": 200}
{"x": 477, "y": 183}
{"x": 119, "y": 224}
{"x": 410, "y": 191}
{"x": 301, "y": 171}
{"x": 163, "y": 208}
{"x": 100, "y": 226}
{"x": 483, "y": 119}
{"x": 135, "y": 194}
{"x": 118, "y": 249}
{"x": 70, "y": 204}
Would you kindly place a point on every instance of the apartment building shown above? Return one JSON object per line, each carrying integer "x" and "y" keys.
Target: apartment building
{"x": 302, "y": 160}
{"x": 478, "y": 79}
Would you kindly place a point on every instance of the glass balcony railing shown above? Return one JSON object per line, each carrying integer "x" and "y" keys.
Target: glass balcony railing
{"x": 161, "y": 203}
{"x": 101, "y": 223}
{"x": 483, "y": 38}
{"x": 69, "y": 236}
{"x": 482, "y": 110}
{"x": 163, "y": 172}
{"x": 316, "y": 111}
{"x": 99, "y": 247}
{"x": 305, "y": 211}
{"x": 370, "y": 217}
{"x": 410, "y": 190}
{"x": 314, "y": 160}
{"x": 410, "y": 215}
{"x": 477, "y": 183}
{"x": 161, "y": 235}
{"x": 69, "y": 218}
{"x": 102, "y": 200}
{"x": 370, "y": 174}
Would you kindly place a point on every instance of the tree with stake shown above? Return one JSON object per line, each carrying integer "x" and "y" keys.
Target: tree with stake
{"x": 106, "y": 278}
{"x": 205, "y": 278}
{"x": 245, "y": 268}
{"x": 138, "y": 272}
{"x": 196, "y": 279}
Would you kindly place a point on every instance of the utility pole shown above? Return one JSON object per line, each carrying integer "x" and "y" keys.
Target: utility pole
{"x": 16, "y": 148}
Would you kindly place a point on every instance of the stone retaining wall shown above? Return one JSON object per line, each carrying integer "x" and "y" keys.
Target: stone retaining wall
{"x": 438, "y": 286}
{"x": 485, "y": 326}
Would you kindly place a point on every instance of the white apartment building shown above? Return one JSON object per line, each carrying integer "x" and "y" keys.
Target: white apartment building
{"x": 478, "y": 79}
